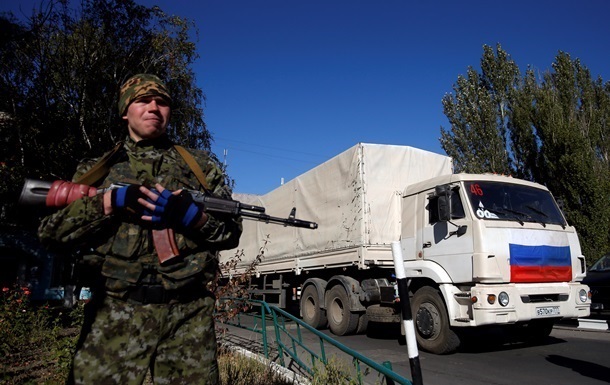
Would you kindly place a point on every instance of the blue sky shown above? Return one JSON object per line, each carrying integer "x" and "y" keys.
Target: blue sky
{"x": 290, "y": 84}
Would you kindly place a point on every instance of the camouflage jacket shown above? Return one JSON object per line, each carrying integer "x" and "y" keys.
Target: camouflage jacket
{"x": 123, "y": 246}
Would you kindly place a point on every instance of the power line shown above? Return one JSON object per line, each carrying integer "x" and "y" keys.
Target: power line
{"x": 269, "y": 147}
{"x": 267, "y": 155}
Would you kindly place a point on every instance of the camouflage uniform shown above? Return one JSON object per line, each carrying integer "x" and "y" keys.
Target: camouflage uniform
{"x": 146, "y": 315}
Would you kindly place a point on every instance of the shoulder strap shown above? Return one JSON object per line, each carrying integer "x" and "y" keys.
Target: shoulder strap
{"x": 100, "y": 169}
{"x": 192, "y": 163}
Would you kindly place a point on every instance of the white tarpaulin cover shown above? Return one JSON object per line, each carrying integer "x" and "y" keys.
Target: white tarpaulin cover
{"x": 354, "y": 197}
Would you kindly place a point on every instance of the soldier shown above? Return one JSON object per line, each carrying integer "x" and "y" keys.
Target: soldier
{"x": 147, "y": 314}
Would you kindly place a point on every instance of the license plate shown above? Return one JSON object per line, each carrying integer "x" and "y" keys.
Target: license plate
{"x": 548, "y": 311}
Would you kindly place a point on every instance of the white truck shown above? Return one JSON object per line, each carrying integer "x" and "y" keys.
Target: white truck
{"x": 478, "y": 249}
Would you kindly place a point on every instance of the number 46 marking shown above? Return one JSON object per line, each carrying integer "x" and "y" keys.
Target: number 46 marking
{"x": 475, "y": 189}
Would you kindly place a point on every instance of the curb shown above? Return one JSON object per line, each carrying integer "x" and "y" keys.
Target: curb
{"x": 589, "y": 324}
{"x": 593, "y": 324}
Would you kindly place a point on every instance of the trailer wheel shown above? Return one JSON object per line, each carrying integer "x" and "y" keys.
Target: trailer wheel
{"x": 313, "y": 315}
{"x": 363, "y": 323}
{"x": 340, "y": 318}
{"x": 432, "y": 322}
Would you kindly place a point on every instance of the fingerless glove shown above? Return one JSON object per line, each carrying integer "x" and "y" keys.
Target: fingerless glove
{"x": 176, "y": 211}
{"x": 126, "y": 199}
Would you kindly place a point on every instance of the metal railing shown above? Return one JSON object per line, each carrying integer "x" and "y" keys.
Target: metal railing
{"x": 289, "y": 343}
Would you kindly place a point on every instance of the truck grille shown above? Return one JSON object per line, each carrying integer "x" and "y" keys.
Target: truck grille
{"x": 540, "y": 298}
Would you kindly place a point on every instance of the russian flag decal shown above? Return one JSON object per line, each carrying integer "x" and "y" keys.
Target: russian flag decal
{"x": 540, "y": 263}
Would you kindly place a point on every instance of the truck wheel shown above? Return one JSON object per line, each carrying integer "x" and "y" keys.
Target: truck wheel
{"x": 313, "y": 315}
{"x": 363, "y": 323}
{"x": 432, "y": 323}
{"x": 382, "y": 314}
{"x": 341, "y": 320}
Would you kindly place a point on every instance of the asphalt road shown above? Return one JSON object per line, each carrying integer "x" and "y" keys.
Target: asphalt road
{"x": 569, "y": 356}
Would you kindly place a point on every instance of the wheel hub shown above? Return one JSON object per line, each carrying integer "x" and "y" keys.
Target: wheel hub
{"x": 337, "y": 311}
{"x": 425, "y": 321}
{"x": 309, "y": 308}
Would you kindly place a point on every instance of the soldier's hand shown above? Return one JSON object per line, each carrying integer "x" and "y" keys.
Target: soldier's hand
{"x": 128, "y": 199}
{"x": 176, "y": 209}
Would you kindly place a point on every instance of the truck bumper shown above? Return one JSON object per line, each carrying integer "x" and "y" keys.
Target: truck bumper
{"x": 526, "y": 302}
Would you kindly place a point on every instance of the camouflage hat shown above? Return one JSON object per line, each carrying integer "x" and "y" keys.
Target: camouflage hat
{"x": 141, "y": 85}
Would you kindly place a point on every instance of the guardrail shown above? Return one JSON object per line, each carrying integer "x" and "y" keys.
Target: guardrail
{"x": 292, "y": 345}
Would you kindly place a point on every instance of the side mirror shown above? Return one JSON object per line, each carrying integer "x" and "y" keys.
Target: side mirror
{"x": 443, "y": 194}
{"x": 461, "y": 230}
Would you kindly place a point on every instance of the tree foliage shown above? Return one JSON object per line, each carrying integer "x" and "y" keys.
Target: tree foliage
{"x": 60, "y": 74}
{"x": 478, "y": 114}
{"x": 553, "y": 130}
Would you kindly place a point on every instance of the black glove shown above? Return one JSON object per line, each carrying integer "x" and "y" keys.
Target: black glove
{"x": 126, "y": 199}
{"x": 175, "y": 211}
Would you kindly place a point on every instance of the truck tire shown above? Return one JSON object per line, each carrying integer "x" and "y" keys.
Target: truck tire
{"x": 382, "y": 314}
{"x": 341, "y": 320}
{"x": 432, "y": 322}
{"x": 313, "y": 315}
{"x": 363, "y": 323}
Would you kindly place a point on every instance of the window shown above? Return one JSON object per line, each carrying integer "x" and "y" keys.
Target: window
{"x": 457, "y": 208}
{"x": 512, "y": 202}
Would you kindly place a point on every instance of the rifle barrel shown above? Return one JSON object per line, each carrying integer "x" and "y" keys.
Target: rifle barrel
{"x": 283, "y": 221}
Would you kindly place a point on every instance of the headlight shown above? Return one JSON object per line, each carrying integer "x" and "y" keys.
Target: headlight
{"x": 503, "y": 298}
{"x": 582, "y": 294}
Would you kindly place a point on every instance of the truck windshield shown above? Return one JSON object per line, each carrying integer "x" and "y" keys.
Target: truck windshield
{"x": 513, "y": 202}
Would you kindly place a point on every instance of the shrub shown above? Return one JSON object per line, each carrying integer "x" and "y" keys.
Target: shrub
{"x": 232, "y": 282}
{"x": 236, "y": 369}
{"x": 334, "y": 372}
{"x": 35, "y": 344}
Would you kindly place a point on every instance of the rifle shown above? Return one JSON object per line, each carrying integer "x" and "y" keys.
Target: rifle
{"x": 61, "y": 193}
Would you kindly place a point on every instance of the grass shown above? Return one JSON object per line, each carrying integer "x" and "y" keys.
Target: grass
{"x": 236, "y": 369}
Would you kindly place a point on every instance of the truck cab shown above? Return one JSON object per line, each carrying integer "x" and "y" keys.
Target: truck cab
{"x": 494, "y": 249}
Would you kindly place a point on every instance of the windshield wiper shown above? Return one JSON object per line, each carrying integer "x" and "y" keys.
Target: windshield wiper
{"x": 528, "y": 217}
{"x": 504, "y": 212}
{"x": 537, "y": 211}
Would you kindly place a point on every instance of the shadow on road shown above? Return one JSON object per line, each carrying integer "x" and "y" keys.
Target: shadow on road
{"x": 475, "y": 340}
{"x": 587, "y": 369}
{"x": 493, "y": 339}
{"x": 384, "y": 331}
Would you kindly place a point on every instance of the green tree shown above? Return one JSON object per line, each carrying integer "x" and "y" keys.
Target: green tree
{"x": 552, "y": 130}
{"x": 478, "y": 113}
{"x": 570, "y": 121}
{"x": 521, "y": 131}
{"x": 60, "y": 74}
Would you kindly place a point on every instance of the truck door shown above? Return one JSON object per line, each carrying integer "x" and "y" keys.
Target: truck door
{"x": 441, "y": 240}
